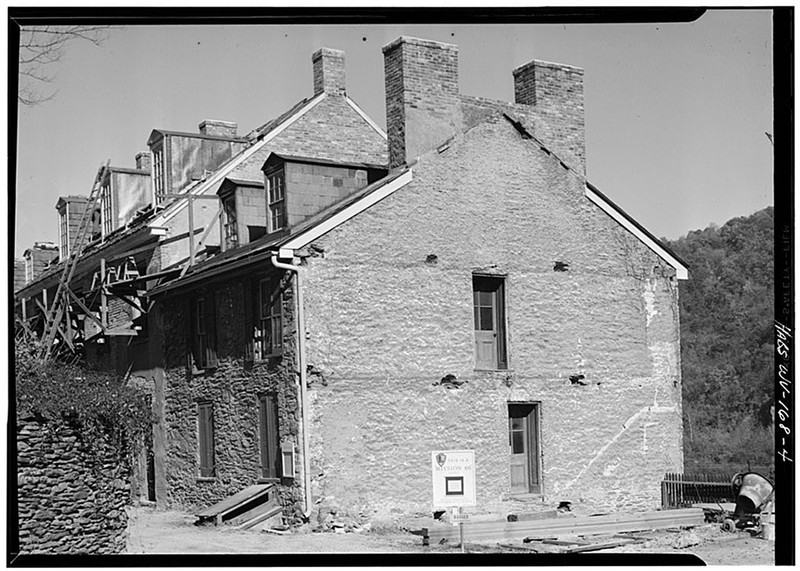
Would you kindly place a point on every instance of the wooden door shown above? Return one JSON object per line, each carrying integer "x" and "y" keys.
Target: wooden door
{"x": 523, "y": 441}
{"x": 485, "y": 305}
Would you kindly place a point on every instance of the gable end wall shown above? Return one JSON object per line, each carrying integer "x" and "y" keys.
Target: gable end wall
{"x": 385, "y": 324}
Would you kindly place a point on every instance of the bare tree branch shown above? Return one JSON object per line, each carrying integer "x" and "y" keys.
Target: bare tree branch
{"x": 40, "y": 48}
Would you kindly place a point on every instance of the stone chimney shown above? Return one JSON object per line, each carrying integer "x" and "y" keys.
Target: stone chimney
{"x": 143, "y": 161}
{"x": 423, "y": 107}
{"x": 329, "y": 72}
{"x": 556, "y": 92}
{"x": 216, "y": 128}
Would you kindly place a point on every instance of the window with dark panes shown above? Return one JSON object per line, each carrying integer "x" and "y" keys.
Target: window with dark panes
{"x": 158, "y": 173}
{"x": 268, "y": 436}
{"x": 488, "y": 302}
{"x": 270, "y": 314}
{"x": 203, "y": 332}
{"x": 205, "y": 438}
{"x": 276, "y": 188}
{"x": 231, "y": 231}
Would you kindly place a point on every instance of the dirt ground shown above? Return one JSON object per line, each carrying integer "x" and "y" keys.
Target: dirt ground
{"x": 170, "y": 532}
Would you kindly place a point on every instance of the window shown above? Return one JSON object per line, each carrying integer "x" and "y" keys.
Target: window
{"x": 275, "y": 200}
{"x": 64, "y": 232}
{"x": 158, "y": 173}
{"x": 203, "y": 332}
{"x": 231, "y": 232}
{"x": 269, "y": 334}
{"x": 205, "y": 438}
{"x": 108, "y": 223}
{"x": 488, "y": 294}
{"x": 268, "y": 436}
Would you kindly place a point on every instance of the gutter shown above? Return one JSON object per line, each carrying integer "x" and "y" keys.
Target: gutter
{"x": 301, "y": 349}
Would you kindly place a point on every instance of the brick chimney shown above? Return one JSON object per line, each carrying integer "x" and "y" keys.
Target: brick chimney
{"x": 556, "y": 92}
{"x": 329, "y": 72}
{"x": 215, "y": 128}
{"x": 143, "y": 161}
{"x": 422, "y": 100}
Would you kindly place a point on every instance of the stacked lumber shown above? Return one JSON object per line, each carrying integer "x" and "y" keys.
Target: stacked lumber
{"x": 549, "y": 528}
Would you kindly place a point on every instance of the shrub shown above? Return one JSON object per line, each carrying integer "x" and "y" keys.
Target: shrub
{"x": 90, "y": 401}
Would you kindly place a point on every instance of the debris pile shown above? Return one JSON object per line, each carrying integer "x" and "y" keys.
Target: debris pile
{"x": 331, "y": 520}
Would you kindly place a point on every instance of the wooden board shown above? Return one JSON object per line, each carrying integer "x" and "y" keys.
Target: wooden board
{"x": 231, "y": 502}
{"x": 613, "y": 523}
{"x": 598, "y": 546}
{"x": 527, "y": 516}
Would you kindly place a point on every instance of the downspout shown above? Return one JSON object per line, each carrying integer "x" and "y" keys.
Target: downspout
{"x": 301, "y": 350}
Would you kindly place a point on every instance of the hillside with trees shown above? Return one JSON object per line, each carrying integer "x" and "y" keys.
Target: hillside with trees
{"x": 727, "y": 349}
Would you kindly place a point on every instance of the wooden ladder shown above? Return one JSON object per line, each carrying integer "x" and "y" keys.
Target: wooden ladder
{"x": 60, "y": 304}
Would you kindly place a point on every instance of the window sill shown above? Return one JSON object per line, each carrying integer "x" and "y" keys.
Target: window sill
{"x": 201, "y": 372}
{"x": 266, "y": 359}
{"x": 525, "y": 496}
{"x": 269, "y": 481}
{"x": 206, "y": 479}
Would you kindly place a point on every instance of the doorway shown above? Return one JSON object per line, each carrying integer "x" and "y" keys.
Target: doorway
{"x": 524, "y": 447}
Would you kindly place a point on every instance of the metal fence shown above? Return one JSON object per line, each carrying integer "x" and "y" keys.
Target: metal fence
{"x": 684, "y": 490}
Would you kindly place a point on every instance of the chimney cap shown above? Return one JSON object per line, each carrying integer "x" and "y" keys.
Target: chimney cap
{"x": 43, "y": 246}
{"x": 543, "y": 63}
{"x": 418, "y": 42}
{"x": 329, "y": 52}
{"x": 217, "y": 122}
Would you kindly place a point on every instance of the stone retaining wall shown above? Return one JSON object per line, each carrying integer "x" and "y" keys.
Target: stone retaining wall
{"x": 72, "y": 493}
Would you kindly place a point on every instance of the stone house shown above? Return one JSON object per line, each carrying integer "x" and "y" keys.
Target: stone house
{"x": 168, "y": 212}
{"x": 471, "y": 290}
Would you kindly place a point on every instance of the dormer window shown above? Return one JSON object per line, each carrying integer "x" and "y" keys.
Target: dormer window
{"x": 231, "y": 231}
{"x": 276, "y": 189}
{"x": 158, "y": 173}
{"x": 244, "y": 212}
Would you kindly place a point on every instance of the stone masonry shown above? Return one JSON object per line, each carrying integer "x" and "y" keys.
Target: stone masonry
{"x": 72, "y": 494}
{"x": 385, "y": 323}
{"x": 233, "y": 388}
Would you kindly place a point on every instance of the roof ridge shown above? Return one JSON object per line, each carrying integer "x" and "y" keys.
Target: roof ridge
{"x": 276, "y": 127}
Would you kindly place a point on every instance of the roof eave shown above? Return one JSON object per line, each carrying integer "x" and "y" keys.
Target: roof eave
{"x": 303, "y": 238}
{"x": 639, "y": 231}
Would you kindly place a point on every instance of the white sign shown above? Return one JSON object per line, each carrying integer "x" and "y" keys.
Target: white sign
{"x": 453, "y": 478}
{"x": 457, "y": 516}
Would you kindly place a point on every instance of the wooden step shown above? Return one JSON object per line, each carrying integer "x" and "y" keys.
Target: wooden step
{"x": 254, "y": 511}
{"x": 256, "y": 495}
{"x": 264, "y": 517}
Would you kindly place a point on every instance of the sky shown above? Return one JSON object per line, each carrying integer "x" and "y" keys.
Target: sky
{"x": 676, "y": 114}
